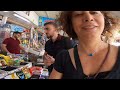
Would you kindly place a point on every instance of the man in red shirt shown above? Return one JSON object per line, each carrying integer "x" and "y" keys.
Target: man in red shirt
{"x": 12, "y": 44}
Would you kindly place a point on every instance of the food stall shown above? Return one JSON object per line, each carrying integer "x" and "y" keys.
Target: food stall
{"x": 15, "y": 67}
{"x": 25, "y": 65}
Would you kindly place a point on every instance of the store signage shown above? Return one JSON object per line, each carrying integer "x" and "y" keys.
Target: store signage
{"x": 16, "y": 28}
{"x": 43, "y": 20}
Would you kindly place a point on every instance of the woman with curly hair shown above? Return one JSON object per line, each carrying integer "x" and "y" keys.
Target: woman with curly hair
{"x": 92, "y": 58}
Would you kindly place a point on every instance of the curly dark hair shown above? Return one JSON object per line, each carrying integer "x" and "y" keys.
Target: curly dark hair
{"x": 66, "y": 22}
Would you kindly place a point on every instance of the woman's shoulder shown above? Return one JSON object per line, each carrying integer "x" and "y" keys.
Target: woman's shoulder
{"x": 118, "y": 48}
{"x": 62, "y": 60}
{"x": 115, "y": 49}
{"x": 118, "y": 51}
{"x": 116, "y": 69}
{"x": 63, "y": 53}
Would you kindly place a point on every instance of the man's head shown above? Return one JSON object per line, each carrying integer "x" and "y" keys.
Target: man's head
{"x": 16, "y": 34}
{"x": 50, "y": 29}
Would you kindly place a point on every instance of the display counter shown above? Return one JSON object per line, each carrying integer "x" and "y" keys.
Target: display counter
{"x": 18, "y": 68}
{"x": 8, "y": 70}
{"x": 39, "y": 52}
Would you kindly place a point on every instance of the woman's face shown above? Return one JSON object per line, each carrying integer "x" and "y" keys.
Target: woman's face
{"x": 89, "y": 23}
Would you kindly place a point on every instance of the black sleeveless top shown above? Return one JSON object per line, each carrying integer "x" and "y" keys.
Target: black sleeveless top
{"x": 64, "y": 65}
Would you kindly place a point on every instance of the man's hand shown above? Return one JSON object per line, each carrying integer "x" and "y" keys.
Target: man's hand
{"x": 22, "y": 48}
{"x": 10, "y": 55}
{"x": 48, "y": 60}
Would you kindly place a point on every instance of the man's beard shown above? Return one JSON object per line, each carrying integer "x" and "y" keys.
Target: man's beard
{"x": 49, "y": 37}
{"x": 16, "y": 37}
